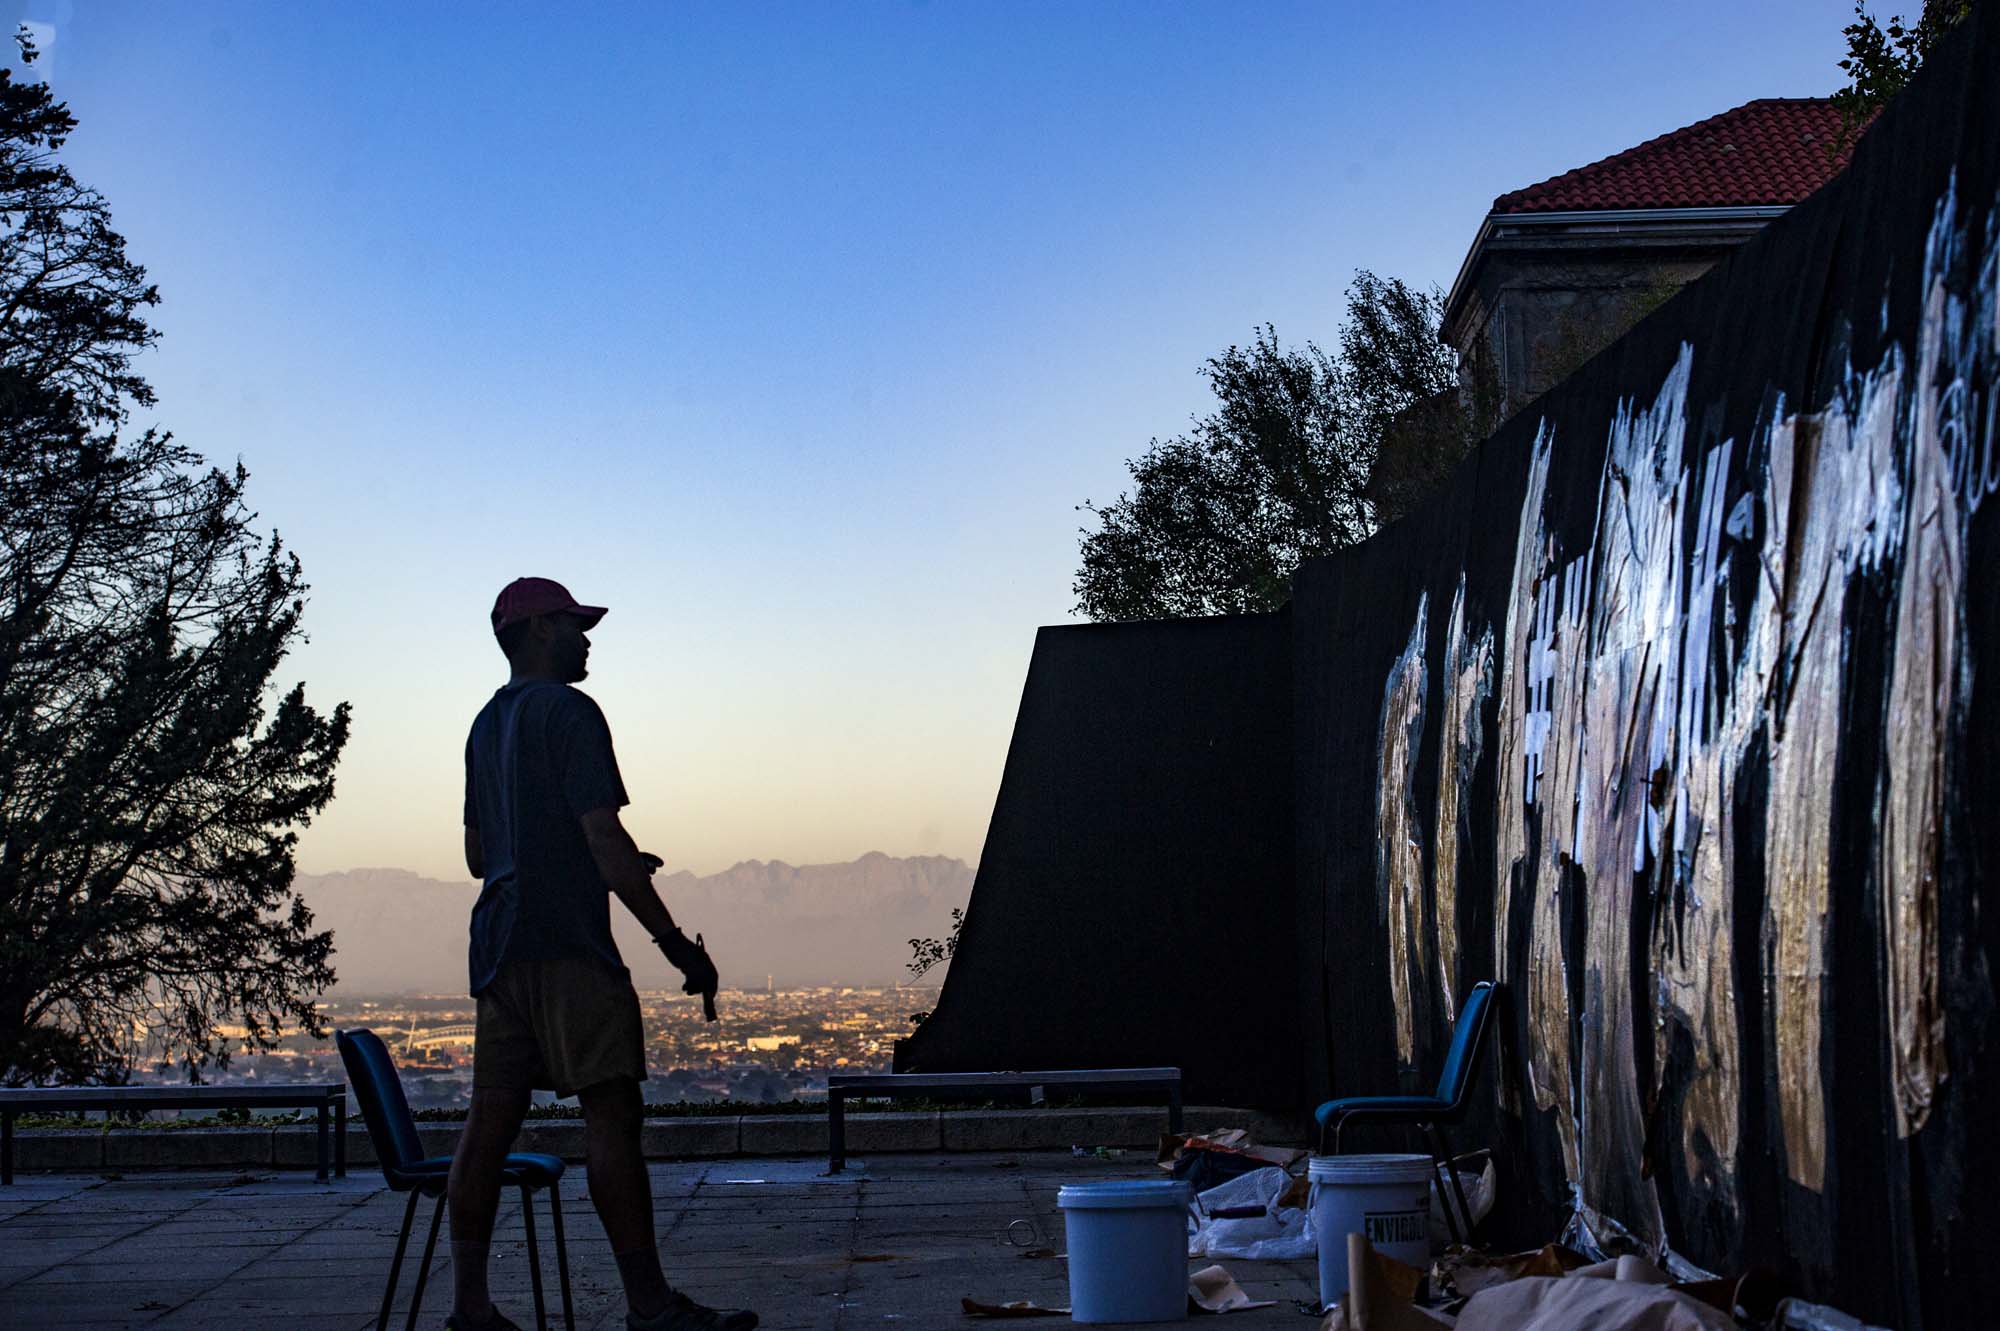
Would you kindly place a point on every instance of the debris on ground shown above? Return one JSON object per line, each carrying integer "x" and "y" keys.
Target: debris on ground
{"x": 1463, "y": 1272}
{"x": 1223, "y": 1155}
{"x": 1259, "y": 1216}
{"x": 1213, "y": 1290}
{"x": 1381, "y": 1294}
{"x": 1798, "y": 1315}
{"x": 1210, "y": 1290}
{"x": 1557, "y": 1288}
{"x": 1018, "y": 1308}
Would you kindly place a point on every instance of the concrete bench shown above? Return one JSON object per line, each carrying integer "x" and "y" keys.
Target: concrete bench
{"x": 844, "y": 1086}
{"x": 330, "y": 1099}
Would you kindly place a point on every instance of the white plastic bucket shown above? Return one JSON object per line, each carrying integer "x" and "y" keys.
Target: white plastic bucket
{"x": 1384, "y": 1198}
{"x": 1127, "y": 1250}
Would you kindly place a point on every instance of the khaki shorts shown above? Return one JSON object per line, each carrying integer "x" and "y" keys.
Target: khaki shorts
{"x": 560, "y": 1026}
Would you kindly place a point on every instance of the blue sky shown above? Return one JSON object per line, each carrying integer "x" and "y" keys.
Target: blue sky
{"x": 794, "y": 333}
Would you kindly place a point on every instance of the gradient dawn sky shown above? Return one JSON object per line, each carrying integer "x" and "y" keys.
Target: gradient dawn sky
{"x": 794, "y": 333}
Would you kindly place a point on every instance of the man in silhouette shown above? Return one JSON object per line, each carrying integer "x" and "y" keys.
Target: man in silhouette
{"x": 556, "y": 1005}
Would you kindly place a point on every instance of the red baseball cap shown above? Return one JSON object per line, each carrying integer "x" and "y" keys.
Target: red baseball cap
{"x": 524, "y": 598}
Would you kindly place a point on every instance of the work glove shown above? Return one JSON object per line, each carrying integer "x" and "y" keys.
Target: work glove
{"x": 691, "y": 960}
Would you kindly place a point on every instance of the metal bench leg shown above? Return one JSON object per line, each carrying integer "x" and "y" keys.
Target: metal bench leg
{"x": 396, "y": 1266}
{"x": 836, "y": 1131}
{"x": 534, "y": 1256}
{"x": 340, "y": 1137}
{"x": 424, "y": 1271}
{"x": 322, "y": 1140}
{"x": 562, "y": 1253}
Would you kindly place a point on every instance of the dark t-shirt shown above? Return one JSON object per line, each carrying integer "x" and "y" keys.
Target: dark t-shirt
{"x": 539, "y": 758}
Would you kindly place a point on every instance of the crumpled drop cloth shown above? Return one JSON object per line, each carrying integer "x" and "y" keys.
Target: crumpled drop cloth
{"x": 1553, "y": 1303}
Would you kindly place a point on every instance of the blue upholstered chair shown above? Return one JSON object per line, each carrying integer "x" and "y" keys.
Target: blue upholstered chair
{"x": 1429, "y": 1112}
{"x": 372, "y": 1073}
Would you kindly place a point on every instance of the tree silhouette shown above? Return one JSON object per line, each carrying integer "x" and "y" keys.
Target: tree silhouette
{"x": 151, "y": 780}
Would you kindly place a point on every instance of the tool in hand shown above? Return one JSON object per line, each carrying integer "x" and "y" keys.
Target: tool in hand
{"x": 691, "y": 959}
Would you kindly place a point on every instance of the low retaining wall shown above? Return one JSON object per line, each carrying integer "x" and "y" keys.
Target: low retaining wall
{"x": 295, "y": 1145}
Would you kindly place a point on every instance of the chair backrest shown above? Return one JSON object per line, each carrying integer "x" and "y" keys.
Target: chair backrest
{"x": 384, "y": 1107}
{"x": 1468, "y": 1037}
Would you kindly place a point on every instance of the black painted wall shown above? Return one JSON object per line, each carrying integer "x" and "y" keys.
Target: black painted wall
{"x": 1132, "y": 901}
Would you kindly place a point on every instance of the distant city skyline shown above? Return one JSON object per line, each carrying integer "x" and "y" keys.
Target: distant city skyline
{"x": 794, "y": 334}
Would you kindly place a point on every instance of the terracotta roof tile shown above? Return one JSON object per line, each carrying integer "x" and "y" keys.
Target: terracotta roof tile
{"x": 1770, "y": 151}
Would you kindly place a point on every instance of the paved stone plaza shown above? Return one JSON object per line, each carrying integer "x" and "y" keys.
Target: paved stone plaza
{"x": 895, "y": 1241}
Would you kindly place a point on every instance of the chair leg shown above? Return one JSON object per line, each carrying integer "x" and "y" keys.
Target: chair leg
{"x": 562, "y": 1253}
{"x": 424, "y": 1271}
{"x": 534, "y": 1257}
{"x": 1441, "y": 1160}
{"x": 396, "y": 1266}
{"x": 1464, "y": 1210}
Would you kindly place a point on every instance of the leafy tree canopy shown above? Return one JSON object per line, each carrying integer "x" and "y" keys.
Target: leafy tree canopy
{"x": 1306, "y": 453}
{"x": 151, "y": 781}
{"x": 1880, "y": 59}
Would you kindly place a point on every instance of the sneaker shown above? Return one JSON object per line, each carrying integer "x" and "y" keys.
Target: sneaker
{"x": 684, "y": 1314}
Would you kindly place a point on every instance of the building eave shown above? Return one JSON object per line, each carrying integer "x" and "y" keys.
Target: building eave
{"x": 1599, "y": 221}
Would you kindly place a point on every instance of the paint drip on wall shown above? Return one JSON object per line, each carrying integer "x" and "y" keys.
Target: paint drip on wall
{"x": 1400, "y": 866}
{"x": 1633, "y": 695}
{"x": 1468, "y": 676}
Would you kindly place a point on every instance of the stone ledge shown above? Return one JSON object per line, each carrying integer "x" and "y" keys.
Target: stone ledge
{"x": 189, "y": 1148}
{"x": 59, "y": 1149}
{"x": 1054, "y": 1129}
{"x": 293, "y": 1146}
{"x": 890, "y": 1131}
{"x": 782, "y": 1134}
{"x": 690, "y": 1138}
{"x": 549, "y": 1136}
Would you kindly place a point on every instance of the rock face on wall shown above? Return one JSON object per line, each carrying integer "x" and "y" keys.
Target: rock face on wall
{"x": 1677, "y": 728}
{"x": 1672, "y": 713}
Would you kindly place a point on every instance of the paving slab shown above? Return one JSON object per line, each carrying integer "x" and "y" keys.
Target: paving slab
{"x": 897, "y": 1240}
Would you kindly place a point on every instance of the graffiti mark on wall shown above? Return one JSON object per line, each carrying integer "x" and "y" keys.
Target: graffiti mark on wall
{"x": 1924, "y": 683}
{"x": 1400, "y": 867}
{"x": 1468, "y": 674}
{"x": 1520, "y": 730}
{"x": 1644, "y": 710}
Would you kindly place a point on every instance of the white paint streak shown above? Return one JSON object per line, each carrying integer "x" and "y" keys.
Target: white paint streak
{"x": 1468, "y": 674}
{"x": 1518, "y": 749}
{"x": 1400, "y": 862}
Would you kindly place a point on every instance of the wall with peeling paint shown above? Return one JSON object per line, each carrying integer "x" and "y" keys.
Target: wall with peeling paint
{"x": 1668, "y": 713}
{"x": 1697, "y": 762}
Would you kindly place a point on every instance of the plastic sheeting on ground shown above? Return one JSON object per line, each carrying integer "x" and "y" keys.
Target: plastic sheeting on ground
{"x": 1556, "y": 1303}
{"x": 1274, "y": 1234}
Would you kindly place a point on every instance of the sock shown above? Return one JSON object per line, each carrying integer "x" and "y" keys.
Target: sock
{"x": 470, "y": 1299}
{"x": 645, "y": 1283}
